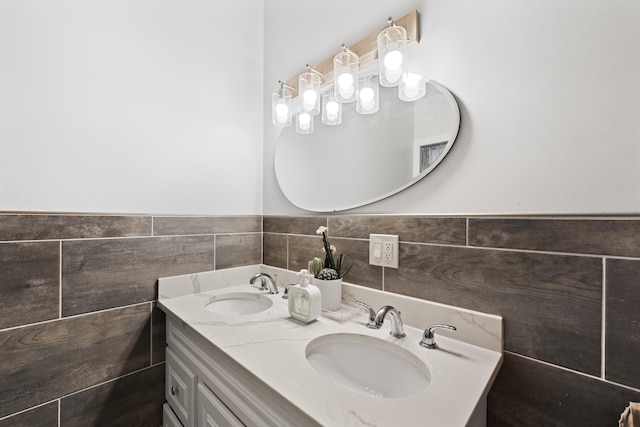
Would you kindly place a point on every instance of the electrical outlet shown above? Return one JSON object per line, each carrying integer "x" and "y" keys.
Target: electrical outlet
{"x": 383, "y": 250}
{"x": 387, "y": 251}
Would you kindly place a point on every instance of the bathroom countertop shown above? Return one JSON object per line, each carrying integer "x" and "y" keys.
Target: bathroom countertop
{"x": 271, "y": 346}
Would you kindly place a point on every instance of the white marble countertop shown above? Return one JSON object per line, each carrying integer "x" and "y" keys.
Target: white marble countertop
{"x": 271, "y": 346}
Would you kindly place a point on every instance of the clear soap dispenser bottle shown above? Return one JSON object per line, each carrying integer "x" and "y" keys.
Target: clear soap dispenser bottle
{"x": 305, "y": 301}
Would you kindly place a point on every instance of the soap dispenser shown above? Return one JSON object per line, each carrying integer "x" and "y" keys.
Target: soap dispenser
{"x": 305, "y": 301}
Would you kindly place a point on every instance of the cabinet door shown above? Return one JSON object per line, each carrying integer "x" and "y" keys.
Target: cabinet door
{"x": 212, "y": 412}
{"x": 169, "y": 419}
{"x": 180, "y": 389}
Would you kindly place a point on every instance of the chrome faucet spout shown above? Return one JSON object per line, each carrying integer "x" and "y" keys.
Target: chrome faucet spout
{"x": 397, "y": 328}
{"x": 267, "y": 282}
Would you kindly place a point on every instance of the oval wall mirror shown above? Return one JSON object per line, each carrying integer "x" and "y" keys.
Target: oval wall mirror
{"x": 368, "y": 157}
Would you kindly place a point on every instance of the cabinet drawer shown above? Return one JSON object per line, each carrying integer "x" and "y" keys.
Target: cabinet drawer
{"x": 212, "y": 412}
{"x": 169, "y": 419}
{"x": 180, "y": 388}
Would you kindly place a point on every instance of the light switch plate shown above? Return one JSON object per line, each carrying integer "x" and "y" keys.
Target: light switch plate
{"x": 383, "y": 250}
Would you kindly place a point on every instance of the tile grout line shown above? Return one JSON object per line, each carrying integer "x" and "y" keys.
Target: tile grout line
{"x": 603, "y": 344}
{"x": 151, "y": 334}
{"x": 467, "y": 233}
{"x": 60, "y": 282}
{"x": 30, "y": 408}
{"x": 520, "y": 250}
{"x": 110, "y": 380}
{"x": 72, "y": 316}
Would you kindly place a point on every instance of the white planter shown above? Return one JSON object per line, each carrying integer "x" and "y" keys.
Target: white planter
{"x": 331, "y": 291}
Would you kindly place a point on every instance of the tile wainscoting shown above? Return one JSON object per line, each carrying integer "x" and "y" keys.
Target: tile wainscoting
{"x": 81, "y": 341}
{"x": 567, "y": 287}
{"x": 83, "y": 344}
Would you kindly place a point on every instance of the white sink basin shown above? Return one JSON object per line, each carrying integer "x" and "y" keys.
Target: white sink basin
{"x": 238, "y": 304}
{"x": 368, "y": 365}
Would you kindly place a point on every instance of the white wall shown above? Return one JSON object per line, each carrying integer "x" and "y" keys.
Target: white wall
{"x": 549, "y": 94}
{"x": 141, "y": 106}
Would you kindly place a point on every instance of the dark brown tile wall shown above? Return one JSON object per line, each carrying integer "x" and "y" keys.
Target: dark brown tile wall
{"x": 51, "y": 227}
{"x": 238, "y": 249}
{"x": 409, "y": 228}
{"x": 97, "y": 348}
{"x": 529, "y": 393}
{"x": 127, "y": 401}
{"x": 159, "y": 338}
{"x": 79, "y": 326}
{"x": 99, "y": 274}
{"x": 293, "y": 225}
{"x": 79, "y": 330}
{"x": 42, "y": 416}
{"x": 29, "y": 282}
{"x": 623, "y": 321}
{"x": 177, "y": 225}
{"x": 550, "y": 278}
{"x": 552, "y": 303}
{"x": 619, "y": 237}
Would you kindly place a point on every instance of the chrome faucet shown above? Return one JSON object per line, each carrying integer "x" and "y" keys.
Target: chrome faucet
{"x": 267, "y": 282}
{"x": 429, "y": 340}
{"x": 397, "y": 329}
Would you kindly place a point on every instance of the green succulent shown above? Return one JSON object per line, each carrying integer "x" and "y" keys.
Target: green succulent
{"x": 316, "y": 266}
{"x": 328, "y": 274}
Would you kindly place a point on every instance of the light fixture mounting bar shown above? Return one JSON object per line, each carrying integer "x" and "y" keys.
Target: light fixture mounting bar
{"x": 366, "y": 49}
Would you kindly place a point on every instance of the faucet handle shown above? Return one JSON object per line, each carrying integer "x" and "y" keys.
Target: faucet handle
{"x": 285, "y": 294}
{"x": 372, "y": 315}
{"x": 428, "y": 339}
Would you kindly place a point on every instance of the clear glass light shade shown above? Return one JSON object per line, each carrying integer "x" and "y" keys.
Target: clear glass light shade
{"x": 368, "y": 95}
{"x": 281, "y": 107}
{"x": 304, "y": 123}
{"x": 309, "y": 90}
{"x": 331, "y": 109}
{"x": 412, "y": 87}
{"x": 392, "y": 55}
{"x": 345, "y": 76}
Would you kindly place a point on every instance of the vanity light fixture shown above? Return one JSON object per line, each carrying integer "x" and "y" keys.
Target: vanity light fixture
{"x": 331, "y": 108}
{"x": 368, "y": 94}
{"x": 412, "y": 87}
{"x": 349, "y": 76}
{"x": 304, "y": 122}
{"x": 309, "y": 87}
{"x": 281, "y": 106}
{"x": 345, "y": 75}
{"x": 392, "y": 54}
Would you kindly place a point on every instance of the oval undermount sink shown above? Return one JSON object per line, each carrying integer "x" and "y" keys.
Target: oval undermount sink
{"x": 238, "y": 304}
{"x": 368, "y": 365}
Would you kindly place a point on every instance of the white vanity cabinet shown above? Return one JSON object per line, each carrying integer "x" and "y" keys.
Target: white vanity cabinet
{"x": 190, "y": 402}
{"x": 212, "y": 412}
{"x": 180, "y": 387}
{"x": 206, "y": 388}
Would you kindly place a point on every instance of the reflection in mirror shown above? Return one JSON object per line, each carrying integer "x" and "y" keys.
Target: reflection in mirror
{"x": 367, "y": 157}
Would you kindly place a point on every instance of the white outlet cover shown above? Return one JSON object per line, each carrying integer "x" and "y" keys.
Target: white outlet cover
{"x": 383, "y": 250}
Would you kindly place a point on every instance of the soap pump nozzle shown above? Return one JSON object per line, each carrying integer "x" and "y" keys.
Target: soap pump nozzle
{"x": 304, "y": 278}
